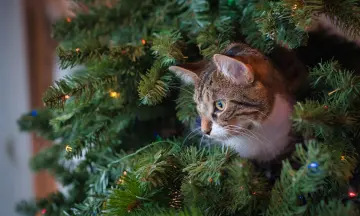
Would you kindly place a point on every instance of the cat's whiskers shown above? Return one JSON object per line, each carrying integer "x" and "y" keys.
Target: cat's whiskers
{"x": 256, "y": 135}
{"x": 202, "y": 137}
{"x": 193, "y": 131}
{"x": 239, "y": 133}
{"x": 239, "y": 130}
{"x": 264, "y": 138}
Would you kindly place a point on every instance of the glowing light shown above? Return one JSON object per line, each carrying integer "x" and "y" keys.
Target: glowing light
{"x": 68, "y": 19}
{"x": 342, "y": 157}
{"x": 143, "y": 41}
{"x": 352, "y": 194}
{"x": 68, "y": 148}
{"x": 67, "y": 96}
{"x": 114, "y": 94}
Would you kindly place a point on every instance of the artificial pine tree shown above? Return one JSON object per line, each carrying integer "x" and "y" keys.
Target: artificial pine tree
{"x": 135, "y": 124}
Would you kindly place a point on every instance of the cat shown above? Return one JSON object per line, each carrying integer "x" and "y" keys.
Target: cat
{"x": 244, "y": 101}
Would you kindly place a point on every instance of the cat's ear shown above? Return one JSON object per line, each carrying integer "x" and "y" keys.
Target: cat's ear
{"x": 237, "y": 71}
{"x": 185, "y": 75}
{"x": 188, "y": 73}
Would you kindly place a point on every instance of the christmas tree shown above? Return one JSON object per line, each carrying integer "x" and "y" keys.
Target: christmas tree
{"x": 134, "y": 123}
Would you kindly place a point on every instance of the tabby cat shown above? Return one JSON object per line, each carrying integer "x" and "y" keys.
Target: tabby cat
{"x": 243, "y": 100}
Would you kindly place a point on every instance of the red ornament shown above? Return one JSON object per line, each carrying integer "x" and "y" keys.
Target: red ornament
{"x": 352, "y": 194}
{"x": 43, "y": 211}
{"x": 326, "y": 107}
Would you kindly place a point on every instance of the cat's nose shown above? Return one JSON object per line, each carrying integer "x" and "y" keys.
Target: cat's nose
{"x": 205, "y": 126}
{"x": 207, "y": 132}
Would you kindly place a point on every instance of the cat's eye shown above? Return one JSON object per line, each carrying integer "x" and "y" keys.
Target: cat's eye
{"x": 220, "y": 105}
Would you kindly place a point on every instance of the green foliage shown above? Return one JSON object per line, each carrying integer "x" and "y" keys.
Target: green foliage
{"x": 153, "y": 86}
{"x": 212, "y": 41}
{"x": 276, "y": 24}
{"x": 82, "y": 84}
{"x": 196, "y": 15}
{"x": 185, "y": 105}
{"x": 126, "y": 197}
{"x": 318, "y": 164}
{"x": 126, "y": 48}
{"x": 343, "y": 13}
{"x": 334, "y": 208}
{"x": 92, "y": 50}
{"x": 167, "y": 47}
{"x": 333, "y": 114}
{"x": 160, "y": 212}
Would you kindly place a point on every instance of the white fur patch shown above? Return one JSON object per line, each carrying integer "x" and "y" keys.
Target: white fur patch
{"x": 265, "y": 142}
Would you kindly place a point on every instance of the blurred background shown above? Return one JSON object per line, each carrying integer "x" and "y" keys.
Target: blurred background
{"x": 27, "y": 68}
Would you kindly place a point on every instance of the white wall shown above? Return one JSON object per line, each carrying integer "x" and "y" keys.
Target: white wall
{"x": 15, "y": 147}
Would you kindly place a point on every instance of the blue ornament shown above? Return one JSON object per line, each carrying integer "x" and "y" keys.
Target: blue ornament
{"x": 313, "y": 166}
{"x": 34, "y": 113}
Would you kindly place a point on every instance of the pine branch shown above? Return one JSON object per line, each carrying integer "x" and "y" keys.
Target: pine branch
{"x": 98, "y": 19}
{"x": 276, "y": 24}
{"x": 229, "y": 9}
{"x": 315, "y": 119}
{"x": 92, "y": 50}
{"x": 211, "y": 41}
{"x": 334, "y": 208}
{"x": 219, "y": 182}
{"x": 196, "y": 15}
{"x": 251, "y": 30}
{"x": 151, "y": 211}
{"x": 246, "y": 188}
{"x": 154, "y": 86}
{"x": 342, "y": 86}
{"x": 38, "y": 121}
{"x": 126, "y": 198}
{"x": 76, "y": 85}
{"x": 318, "y": 164}
{"x": 185, "y": 105}
{"x": 168, "y": 48}
{"x": 207, "y": 164}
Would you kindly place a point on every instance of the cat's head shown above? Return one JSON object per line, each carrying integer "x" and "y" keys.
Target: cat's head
{"x": 234, "y": 94}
